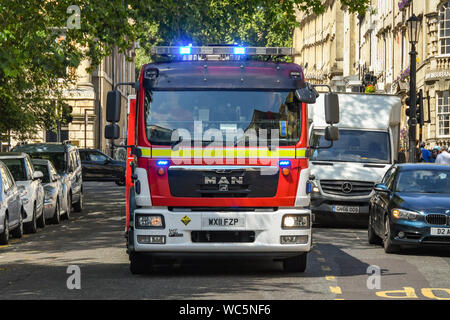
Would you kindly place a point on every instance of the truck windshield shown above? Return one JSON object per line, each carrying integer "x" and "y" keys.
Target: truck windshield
{"x": 353, "y": 146}
{"x": 223, "y": 116}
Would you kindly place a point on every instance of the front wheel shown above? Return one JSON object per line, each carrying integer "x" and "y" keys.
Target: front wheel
{"x": 18, "y": 231}
{"x": 295, "y": 264}
{"x": 41, "y": 220}
{"x": 79, "y": 205}
{"x": 31, "y": 227}
{"x": 387, "y": 242}
{"x": 4, "y": 236}
{"x": 56, "y": 219}
{"x": 372, "y": 236}
{"x": 140, "y": 264}
{"x": 69, "y": 206}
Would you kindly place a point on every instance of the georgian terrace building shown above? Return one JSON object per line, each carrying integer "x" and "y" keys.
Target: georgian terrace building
{"x": 348, "y": 52}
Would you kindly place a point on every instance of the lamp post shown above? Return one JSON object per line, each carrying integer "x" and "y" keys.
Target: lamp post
{"x": 413, "y": 31}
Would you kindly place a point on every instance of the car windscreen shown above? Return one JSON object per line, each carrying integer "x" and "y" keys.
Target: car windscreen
{"x": 228, "y": 117}
{"x": 57, "y": 158}
{"x": 17, "y": 168}
{"x": 353, "y": 146}
{"x": 44, "y": 169}
{"x": 423, "y": 181}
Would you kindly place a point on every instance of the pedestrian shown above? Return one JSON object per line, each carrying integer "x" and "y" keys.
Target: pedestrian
{"x": 426, "y": 154}
{"x": 443, "y": 157}
{"x": 434, "y": 153}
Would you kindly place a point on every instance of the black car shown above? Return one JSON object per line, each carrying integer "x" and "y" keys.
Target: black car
{"x": 411, "y": 207}
{"x": 97, "y": 166}
{"x": 11, "y": 208}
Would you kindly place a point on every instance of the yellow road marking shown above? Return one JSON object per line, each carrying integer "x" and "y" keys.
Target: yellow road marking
{"x": 321, "y": 259}
{"x": 5, "y": 246}
{"x": 325, "y": 268}
{"x": 330, "y": 278}
{"x": 3, "y": 269}
{"x": 317, "y": 251}
{"x": 336, "y": 290}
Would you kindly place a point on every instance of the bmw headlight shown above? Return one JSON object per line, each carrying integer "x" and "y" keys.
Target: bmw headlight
{"x": 406, "y": 214}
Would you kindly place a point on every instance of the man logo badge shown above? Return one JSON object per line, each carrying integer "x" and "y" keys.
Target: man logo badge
{"x": 224, "y": 180}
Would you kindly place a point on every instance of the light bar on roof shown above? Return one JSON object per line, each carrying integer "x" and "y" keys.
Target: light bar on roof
{"x": 218, "y": 50}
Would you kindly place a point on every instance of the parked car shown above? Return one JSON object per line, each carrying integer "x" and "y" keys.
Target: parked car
{"x": 11, "y": 208}
{"x": 30, "y": 188}
{"x": 53, "y": 188}
{"x": 66, "y": 159}
{"x": 411, "y": 206}
{"x": 97, "y": 166}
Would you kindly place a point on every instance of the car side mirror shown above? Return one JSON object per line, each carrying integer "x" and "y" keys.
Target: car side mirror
{"x": 113, "y": 106}
{"x": 381, "y": 188}
{"x": 38, "y": 175}
{"x": 112, "y": 131}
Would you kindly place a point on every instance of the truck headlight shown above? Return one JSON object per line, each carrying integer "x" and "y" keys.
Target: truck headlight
{"x": 294, "y": 221}
{"x": 405, "y": 214}
{"x": 149, "y": 221}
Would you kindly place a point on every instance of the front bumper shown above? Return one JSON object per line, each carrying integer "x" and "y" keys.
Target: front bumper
{"x": 417, "y": 233}
{"x": 322, "y": 209}
{"x": 265, "y": 225}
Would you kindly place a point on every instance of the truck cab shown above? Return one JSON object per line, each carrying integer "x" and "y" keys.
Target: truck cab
{"x": 220, "y": 163}
{"x": 345, "y": 172}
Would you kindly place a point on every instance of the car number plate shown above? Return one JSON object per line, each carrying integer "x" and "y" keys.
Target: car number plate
{"x": 440, "y": 231}
{"x": 345, "y": 209}
{"x": 224, "y": 222}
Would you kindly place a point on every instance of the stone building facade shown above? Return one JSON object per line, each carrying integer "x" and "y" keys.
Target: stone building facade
{"x": 348, "y": 52}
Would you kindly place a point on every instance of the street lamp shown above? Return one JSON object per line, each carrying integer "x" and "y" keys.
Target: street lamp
{"x": 413, "y": 31}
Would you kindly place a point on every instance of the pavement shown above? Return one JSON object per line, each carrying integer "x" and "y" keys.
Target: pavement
{"x": 341, "y": 266}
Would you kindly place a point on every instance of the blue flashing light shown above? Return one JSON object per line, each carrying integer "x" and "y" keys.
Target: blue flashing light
{"x": 162, "y": 163}
{"x": 185, "y": 50}
{"x": 239, "y": 50}
{"x": 284, "y": 163}
{"x": 308, "y": 187}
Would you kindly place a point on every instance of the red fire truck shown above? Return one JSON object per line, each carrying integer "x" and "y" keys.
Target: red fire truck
{"x": 218, "y": 156}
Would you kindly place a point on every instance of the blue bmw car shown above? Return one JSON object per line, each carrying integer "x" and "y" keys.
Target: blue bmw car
{"x": 411, "y": 207}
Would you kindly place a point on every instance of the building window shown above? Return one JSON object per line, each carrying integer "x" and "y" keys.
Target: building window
{"x": 444, "y": 28}
{"x": 443, "y": 113}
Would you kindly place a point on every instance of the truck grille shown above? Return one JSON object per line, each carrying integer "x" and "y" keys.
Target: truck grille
{"x": 222, "y": 182}
{"x": 436, "y": 219}
{"x": 223, "y": 236}
{"x": 347, "y": 188}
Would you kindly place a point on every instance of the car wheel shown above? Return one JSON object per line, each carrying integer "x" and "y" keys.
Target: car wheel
{"x": 295, "y": 264}
{"x": 31, "y": 227}
{"x": 4, "y": 236}
{"x": 18, "y": 231}
{"x": 372, "y": 236}
{"x": 41, "y": 220}
{"x": 79, "y": 205}
{"x": 56, "y": 219}
{"x": 69, "y": 206}
{"x": 140, "y": 264}
{"x": 387, "y": 242}
{"x": 120, "y": 182}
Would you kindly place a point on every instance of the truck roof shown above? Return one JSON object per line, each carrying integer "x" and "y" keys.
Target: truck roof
{"x": 360, "y": 110}
{"x": 223, "y": 75}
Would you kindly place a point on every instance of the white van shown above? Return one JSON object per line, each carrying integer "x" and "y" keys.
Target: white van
{"x": 345, "y": 174}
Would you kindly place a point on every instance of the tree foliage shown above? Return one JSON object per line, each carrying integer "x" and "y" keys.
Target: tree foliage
{"x": 39, "y": 52}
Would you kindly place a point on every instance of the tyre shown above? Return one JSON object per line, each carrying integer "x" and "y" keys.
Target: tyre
{"x": 387, "y": 242}
{"x": 295, "y": 264}
{"x": 4, "y": 236}
{"x": 79, "y": 205}
{"x": 31, "y": 227}
{"x": 56, "y": 219}
{"x": 41, "y": 219}
{"x": 18, "y": 231}
{"x": 140, "y": 264}
{"x": 69, "y": 206}
{"x": 372, "y": 236}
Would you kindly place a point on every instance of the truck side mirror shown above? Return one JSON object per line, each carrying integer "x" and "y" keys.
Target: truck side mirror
{"x": 331, "y": 133}
{"x": 331, "y": 108}
{"x": 113, "y": 106}
{"x": 307, "y": 94}
{"x": 112, "y": 131}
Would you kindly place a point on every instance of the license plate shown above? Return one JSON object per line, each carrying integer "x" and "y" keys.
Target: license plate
{"x": 440, "y": 231}
{"x": 345, "y": 209}
{"x": 223, "y": 222}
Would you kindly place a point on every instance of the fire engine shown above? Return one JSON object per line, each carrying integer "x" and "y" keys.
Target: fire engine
{"x": 218, "y": 156}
